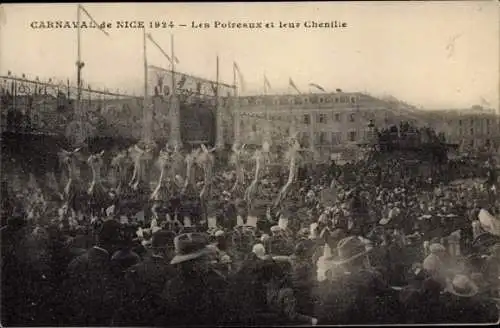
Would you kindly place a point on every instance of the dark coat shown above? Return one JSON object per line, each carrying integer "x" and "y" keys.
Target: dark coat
{"x": 142, "y": 301}
{"x": 195, "y": 298}
{"x": 280, "y": 246}
{"x": 92, "y": 289}
{"x": 245, "y": 293}
{"x": 303, "y": 280}
{"x": 343, "y": 300}
{"x": 26, "y": 281}
{"x": 467, "y": 310}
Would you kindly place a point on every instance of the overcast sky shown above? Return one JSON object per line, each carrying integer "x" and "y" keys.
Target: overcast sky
{"x": 436, "y": 55}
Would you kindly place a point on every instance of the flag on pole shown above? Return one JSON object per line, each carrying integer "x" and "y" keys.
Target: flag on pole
{"x": 484, "y": 102}
{"x": 240, "y": 76}
{"x": 92, "y": 19}
{"x": 292, "y": 84}
{"x": 150, "y": 37}
{"x": 317, "y": 86}
{"x": 267, "y": 85}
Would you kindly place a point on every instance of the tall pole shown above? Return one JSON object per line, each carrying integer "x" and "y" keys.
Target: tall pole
{"x": 219, "y": 120}
{"x": 236, "y": 104}
{"x": 266, "y": 110}
{"x": 175, "y": 135}
{"x": 292, "y": 118}
{"x": 146, "y": 135}
{"x": 79, "y": 65}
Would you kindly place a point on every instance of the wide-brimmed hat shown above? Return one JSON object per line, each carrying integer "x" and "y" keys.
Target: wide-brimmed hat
{"x": 462, "y": 286}
{"x": 162, "y": 239}
{"x": 110, "y": 232}
{"x": 190, "y": 246}
{"x": 349, "y": 249}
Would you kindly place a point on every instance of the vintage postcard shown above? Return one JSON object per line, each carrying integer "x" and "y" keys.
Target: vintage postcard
{"x": 250, "y": 164}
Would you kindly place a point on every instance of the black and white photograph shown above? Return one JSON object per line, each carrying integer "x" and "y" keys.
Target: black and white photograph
{"x": 250, "y": 164}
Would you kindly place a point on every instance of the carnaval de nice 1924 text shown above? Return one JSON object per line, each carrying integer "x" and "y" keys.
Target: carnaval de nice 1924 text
{"x": 137, "y": 24}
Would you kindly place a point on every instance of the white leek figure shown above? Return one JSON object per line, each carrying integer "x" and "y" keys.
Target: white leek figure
{"x": 136, "y": 153}
{"x": 237, "y": 158}
{"x": 190, "y": 181}
{"x": 160, "y": 192}
{"x": 261, "y": 157}
{"x": 95, "y": 162}
{"x": 293, "y": 158}
{"x": 206, "y": 161}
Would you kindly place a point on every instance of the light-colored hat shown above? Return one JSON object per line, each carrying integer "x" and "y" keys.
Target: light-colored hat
{"x": 425, "y": 216}
{"x": 351, "y": 248}
{"x": 384, "y": 221}
{"x": 436, "y": 248}
{"x": 259, "y": 250}
{"x": 265, "y": 237}
{"x": 110, "y": 210}
{"x": 275, "y": 228}
{"x": 462, "y": 286}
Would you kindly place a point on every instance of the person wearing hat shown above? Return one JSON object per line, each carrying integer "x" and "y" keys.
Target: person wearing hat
{"x": 195, "y": 296}
{"x": 92, "y": 277}
{"x": 353, "y": 290}
{"x": 462, "y": 303}
{"x": 142, "y": 300}
{"x": 434, "y": 263}
{"x": 280, "y": 302}
{"x": 125, "y": 256}
{"x": 25, "y": 274}
{"x": 491, "y": 268}
{"x": 303, "y": 276}
{"x": 278, "y": 243}
{"x": 223, "y": 257}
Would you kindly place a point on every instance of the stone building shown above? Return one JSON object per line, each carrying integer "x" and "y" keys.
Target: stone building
{"x": 325, "y": 123}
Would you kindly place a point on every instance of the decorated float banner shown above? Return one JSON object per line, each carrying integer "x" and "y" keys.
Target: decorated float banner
{"x": 160, "y": 84}
{"x": 123, "y": 117}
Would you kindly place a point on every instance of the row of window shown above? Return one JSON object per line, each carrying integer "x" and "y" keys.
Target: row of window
{"x": 322, "y": 118}
{"x": 298, "y": 100}
{"x": 327, "y": 138}
{"x": 472, "y": 121}
{"x": 472, "y": 131}
{"x": 322, "y": 138}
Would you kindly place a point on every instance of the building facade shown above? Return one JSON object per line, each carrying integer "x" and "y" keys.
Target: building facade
{"x": 474, "y": 129}
{"x": 325, "y": 123}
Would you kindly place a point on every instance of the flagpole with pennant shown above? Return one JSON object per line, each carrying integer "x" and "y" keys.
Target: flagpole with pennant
{"x": 311, "y": 120}
{"x": 79, "y": 66}
{"x": 175, "y": 125}
{"x": 236, "y": 106}
{"x": 146, "y": 125}
{"x": 292, "y": 85}
{"x": 317, "y": 86}
{"x": 173, "y": 112}
{"x": 267, "y": 86}
{"x": 219, "y": 142}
